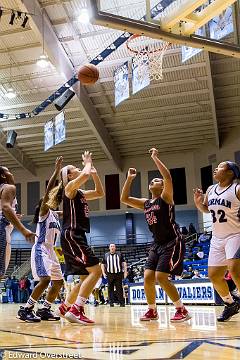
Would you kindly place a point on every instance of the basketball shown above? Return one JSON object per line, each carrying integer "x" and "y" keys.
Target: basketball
{"x": 88, "y": 74}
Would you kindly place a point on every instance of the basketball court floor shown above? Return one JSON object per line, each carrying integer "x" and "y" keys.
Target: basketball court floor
{"x": 118, "y": 335}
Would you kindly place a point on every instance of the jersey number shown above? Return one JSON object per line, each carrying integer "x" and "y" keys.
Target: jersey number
{"x": 221, "y": 218}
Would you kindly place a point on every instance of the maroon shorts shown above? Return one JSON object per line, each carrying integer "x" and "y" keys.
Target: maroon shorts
{"x": 167, "y": 258}
{"x": 78, "y": 254}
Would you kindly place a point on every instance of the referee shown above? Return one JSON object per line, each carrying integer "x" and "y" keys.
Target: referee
{"x": 114, "y": 268}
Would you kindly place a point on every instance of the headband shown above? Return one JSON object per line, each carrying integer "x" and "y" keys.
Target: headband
{"x": 64, "y": 175}
{"x": 234, "y": 167}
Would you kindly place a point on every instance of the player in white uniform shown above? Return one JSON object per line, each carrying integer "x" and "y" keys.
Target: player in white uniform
{"x": 44, "y": 263}
{"x": 223, "y": 201}
{"x": 8, "y": 218}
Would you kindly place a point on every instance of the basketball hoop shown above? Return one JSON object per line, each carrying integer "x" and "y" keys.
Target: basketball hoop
{"x": 144, "y": 49}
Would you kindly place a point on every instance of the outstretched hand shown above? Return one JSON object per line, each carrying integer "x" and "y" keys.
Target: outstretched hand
{"x": 153, "y": 152}
{"x": 58, "y": 163}
{"x": 198, "y": 195}
{"x": 132, "y": 173}
{"x": 86, "y": 157}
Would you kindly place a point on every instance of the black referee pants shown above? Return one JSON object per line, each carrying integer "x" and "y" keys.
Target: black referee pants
{"x": 115, "y": 280}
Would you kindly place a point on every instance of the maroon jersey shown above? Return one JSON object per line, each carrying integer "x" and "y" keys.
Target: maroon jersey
{"x": 160, "y": 217}
{"x": 75, "y": 213}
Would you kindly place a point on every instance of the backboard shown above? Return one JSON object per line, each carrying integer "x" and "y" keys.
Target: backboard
{"x": 173, "y": 21}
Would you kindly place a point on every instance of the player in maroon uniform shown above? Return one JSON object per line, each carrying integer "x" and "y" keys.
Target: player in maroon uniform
{"x": 167, "y": 251}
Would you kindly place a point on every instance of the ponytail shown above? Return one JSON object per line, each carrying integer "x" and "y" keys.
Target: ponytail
{"x": 55, "y": 196}
{"x": 37, "y": 211}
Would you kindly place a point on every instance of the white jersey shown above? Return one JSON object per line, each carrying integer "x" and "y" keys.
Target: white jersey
{"x": 48, "y": 229}
{"x": 225, "y": 209}
{"x": 14, "y": 203}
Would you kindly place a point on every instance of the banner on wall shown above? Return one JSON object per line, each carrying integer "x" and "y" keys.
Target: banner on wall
{"x": 136, "y": 295}
{"x": 121, "y": 83}
{"x": 60, "y": 129}
{"x": 221, "y": 25}
{"x": 140, "y": 75}
{"x": 48, "y": 135}
{"x": 201, "y": 292}
{"x": 187, "y": 51}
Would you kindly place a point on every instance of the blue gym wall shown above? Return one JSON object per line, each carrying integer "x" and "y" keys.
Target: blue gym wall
{"x": 111, "y": 228}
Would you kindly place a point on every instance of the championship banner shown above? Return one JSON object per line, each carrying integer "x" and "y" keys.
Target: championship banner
{"x": 59, "y": 253}
{"x": 221, "y": 25}
{"x": 121, "y": 83}
{"x": 140, "y": 75}
{"x": 60, "y": 129}
{"x": 48, "y": 135}
{"x": 187, "y": 51}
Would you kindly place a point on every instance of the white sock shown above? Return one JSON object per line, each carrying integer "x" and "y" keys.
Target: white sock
{"x": 152, "y": 306}
{"x": 80, "y": 301}
{"x": 47, "y": 304}
{"x": 31, "y": 302}
{"x": 178, "y": 303}
{"x": 228, "y": 299}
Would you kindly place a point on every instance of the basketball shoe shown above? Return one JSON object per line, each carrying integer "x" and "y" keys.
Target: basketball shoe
{"x": 76, "y": 315}
{"x": 62, "y": 310}
{"x": 151, "y": 314}
{"x": 181, "y": 315}
{"x": 47, "y": 314}
{"x": 27, "y": 314}
{"x": 229, "y": 311}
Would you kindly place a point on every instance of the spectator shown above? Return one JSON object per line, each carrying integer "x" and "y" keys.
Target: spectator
{"x": 204, "y": 237}
{"x": 197, "y": 275}
{"x": 114, "y": 267}
{"x": 199, "y": 254}
{"x": 191, "y": 229}
{"x": 15, "y": 288}
{"x": 22, "y": 289}
{"x": 184, "y": 231}
{"x": 8, "y": 287}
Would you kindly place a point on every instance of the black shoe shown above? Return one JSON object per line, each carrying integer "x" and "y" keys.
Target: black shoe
{"x": 229, "y": 311}
{"x": 96, "y": 303}
{"x": 47, "y": 314}
{"x": 111, "y": 305}
{"x": 27, "y": 314}
{"x": 122, "y": 305}
{"x": 236, "y": 298}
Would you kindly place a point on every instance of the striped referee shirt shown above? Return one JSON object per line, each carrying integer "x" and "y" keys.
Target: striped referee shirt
{"x": 113, "y": 262}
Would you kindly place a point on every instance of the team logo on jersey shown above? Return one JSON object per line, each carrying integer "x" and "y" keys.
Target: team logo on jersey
{"x": 219, "y": 201}
{"x": 54, "y": 225}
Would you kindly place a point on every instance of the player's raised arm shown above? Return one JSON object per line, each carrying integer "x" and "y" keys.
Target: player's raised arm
{"x": 137, "y": 203}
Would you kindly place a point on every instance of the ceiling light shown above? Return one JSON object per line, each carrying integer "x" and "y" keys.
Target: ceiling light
{"x": 10, "y": 94}
{"x": 43, "y": 61}
{"x": 83, "y": 16}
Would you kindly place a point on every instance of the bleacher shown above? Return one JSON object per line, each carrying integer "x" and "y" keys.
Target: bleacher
{"x": 132, "y": 253}
{"x": 18, "y": 257}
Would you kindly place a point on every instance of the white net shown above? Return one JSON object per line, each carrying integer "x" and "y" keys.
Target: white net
{"x": 146, "y": 50}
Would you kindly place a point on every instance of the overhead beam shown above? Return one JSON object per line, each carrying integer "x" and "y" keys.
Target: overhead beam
{"x": 153, "y": 31}
{"x": 17, "y": 155}
{"x": 203, "y": 17}
{"x": 59, "y": 57}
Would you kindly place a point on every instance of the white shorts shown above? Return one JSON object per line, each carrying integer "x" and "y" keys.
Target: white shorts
{"x": 222, "y": 250}
{"x": 44, "y": 262}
